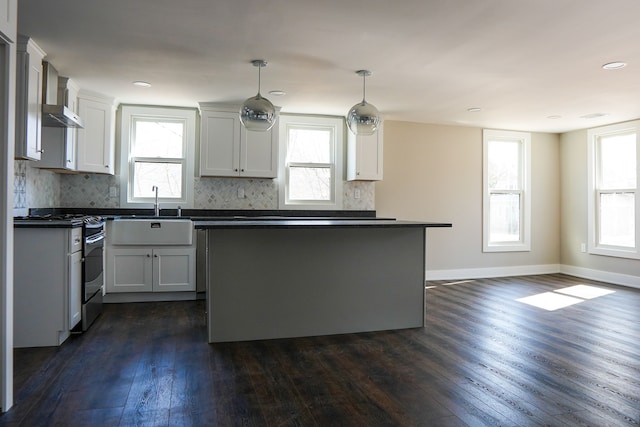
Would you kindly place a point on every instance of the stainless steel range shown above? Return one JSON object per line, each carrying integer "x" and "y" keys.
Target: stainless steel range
{"x": 92, "y": 269}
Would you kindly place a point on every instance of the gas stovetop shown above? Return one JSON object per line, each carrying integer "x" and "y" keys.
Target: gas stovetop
{"x": 59, "y": 219}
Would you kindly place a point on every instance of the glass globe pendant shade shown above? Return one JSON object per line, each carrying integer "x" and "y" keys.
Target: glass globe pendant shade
{"x": 258, "y": 113}
{"x": 363, "y": 118}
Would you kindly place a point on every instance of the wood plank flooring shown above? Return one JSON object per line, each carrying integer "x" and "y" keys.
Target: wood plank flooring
{"x": 484, "y": 359}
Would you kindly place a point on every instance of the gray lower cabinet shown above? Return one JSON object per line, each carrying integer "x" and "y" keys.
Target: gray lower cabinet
{"x": 47, "y": 285}
{"x": 151, "y": 269}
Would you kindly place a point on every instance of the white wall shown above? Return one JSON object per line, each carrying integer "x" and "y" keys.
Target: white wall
{"x": 434, "y": 173}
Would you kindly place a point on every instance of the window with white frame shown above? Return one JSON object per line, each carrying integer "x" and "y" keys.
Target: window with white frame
{"x": 614, "y": 208}
{"x": 157, "y": 150}
{"x": 506, "y": 191}
{"x": 311, "y": 162}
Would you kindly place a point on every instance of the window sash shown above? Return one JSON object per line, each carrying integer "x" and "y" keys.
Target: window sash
{"x": 616, "y": 228}
{"x": 152, "y": 119}
{"x": 162, "y": 187}
{"x": 496, "y": 226}
{"x": 291, "y": 189}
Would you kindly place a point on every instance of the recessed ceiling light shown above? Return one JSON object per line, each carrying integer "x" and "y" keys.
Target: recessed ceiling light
{"x": 554, "y": 117}
{"x": 140, "y": 83}
{"x": 614, "y": 65}
{"x": 593, "y": 115}
{"x": 277, "y": 92}
{"x": 474, "y": 109}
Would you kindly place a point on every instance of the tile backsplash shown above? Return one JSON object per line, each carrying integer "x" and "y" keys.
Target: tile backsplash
{"x": 38, "y": 188}
{"x": 33, "y": 187}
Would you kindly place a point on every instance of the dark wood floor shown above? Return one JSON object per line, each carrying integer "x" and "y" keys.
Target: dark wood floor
{"x": 483, "y": 359}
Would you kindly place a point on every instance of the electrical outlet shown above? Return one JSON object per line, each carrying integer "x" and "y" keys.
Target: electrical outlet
{"x": 113, "y": 191}
{"x": 583, "y": 247}
{"x": 356, "y": 193}
{"x": 240, "y": 193}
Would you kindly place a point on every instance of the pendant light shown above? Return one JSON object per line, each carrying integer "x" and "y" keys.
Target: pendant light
{"x": 258, "y": 113}
{"x": 363, "y": 118}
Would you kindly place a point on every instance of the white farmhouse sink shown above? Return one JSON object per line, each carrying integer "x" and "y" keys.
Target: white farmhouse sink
{"x": 156, "y": 231}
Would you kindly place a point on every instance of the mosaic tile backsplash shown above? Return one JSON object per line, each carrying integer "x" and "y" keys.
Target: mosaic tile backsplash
{"x": 36, "y": 188}
{"x": 33, "y": 187}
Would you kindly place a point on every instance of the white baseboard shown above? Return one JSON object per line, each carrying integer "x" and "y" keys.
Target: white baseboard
{"x": 148, "y": 297}
{"x": 480, "y": 273}
{"x": 602, "y": 276}
{"x": 526, "y": 270}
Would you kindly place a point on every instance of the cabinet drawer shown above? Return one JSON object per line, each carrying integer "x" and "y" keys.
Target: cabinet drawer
{"x": 75, "y": 240}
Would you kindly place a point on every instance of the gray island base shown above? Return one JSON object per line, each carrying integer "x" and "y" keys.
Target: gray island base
{"x": 283, "y": 279}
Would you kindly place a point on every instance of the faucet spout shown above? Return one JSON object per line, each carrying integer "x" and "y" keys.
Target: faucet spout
{"x": 156, "y": 205}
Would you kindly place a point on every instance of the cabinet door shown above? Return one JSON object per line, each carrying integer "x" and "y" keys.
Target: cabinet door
{"x": 96, "y": 150}
{"x": 174, "y": 269}
{"x": 75, "y": 288}
{"x": 28, "y": 100}
{"x": 70, "y": 138}
{"x": 259, "y": 153}
{"x": 364, "y": 156}
{"x": 8, "y": 18}
{"x": 129, "y": 270}
{"x": 219, "y": 144}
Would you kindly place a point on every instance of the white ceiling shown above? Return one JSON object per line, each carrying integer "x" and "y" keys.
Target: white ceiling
{"x": 519, "y": 61}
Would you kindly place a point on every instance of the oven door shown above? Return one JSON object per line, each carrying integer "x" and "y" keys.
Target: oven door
{"x": 93, "y": 276}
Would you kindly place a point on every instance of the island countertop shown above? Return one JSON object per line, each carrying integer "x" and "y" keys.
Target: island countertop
{"x": 292, "y": 222}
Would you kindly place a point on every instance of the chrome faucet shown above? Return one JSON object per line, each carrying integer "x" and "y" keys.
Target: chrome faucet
{"x": 156, "y": 205}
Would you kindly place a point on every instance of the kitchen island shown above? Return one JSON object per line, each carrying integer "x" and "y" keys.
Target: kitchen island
{"x": 280, "y": 278}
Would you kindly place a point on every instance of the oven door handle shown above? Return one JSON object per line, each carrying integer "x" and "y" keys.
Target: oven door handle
{"x": 95, "y": 238}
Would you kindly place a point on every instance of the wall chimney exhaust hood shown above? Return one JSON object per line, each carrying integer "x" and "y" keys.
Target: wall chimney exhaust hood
{"x": 55, "y": 112}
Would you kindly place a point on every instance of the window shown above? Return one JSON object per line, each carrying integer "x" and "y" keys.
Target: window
{"x": 157, "y": 150}
{"x": 506, "y": 191}
{"x": 614, "y": 211}
{"x": 311, "y": 162}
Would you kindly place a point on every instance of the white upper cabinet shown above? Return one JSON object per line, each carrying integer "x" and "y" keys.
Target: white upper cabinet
{"x": 59, "y": 144}
{"x": 28, "y": 99}
{"x": 96, "y": 143}
{"x": 8, "y": 21}
{"x": 228, "y": 149}
{"x": 364, "y": 156}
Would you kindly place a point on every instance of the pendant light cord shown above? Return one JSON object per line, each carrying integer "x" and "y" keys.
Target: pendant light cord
{"x": 259, "y": 68}
{"x": 364, "y": 87}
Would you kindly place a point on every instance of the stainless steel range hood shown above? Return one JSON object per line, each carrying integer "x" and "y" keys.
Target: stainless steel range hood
{"x": 55, "y": 112}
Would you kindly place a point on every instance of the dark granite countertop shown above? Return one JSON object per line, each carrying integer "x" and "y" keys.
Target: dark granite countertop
{"x": 47, "y": 223}
{"x": 312, "y": 223}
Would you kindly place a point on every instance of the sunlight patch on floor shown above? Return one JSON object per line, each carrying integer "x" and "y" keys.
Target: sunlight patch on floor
{"x": 585, "y": 292}
{"x": 565, "y": 297}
